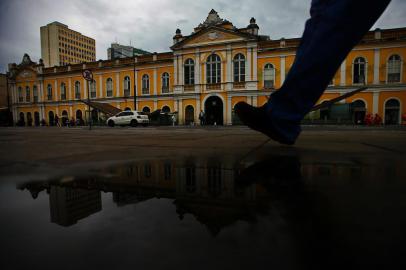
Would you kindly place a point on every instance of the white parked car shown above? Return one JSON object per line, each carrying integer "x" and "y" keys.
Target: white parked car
{"x": 132, "y": 118}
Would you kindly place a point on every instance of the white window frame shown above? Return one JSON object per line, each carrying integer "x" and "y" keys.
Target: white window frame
{"x": 239, "y": 59}
{"x": 273, "y": 75}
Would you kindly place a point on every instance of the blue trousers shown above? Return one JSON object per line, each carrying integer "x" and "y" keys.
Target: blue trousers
{"x": 334, "y": 28}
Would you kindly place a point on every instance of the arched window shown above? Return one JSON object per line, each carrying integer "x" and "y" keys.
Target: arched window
{"x": 92, "y": 89}
{"x": 166, "y": 109}
{"x": 63, "y": 91}
{"x": 239, "y": 68}
{"x": 359, "y": 70}
{"x": 127, "y": 86}
{"x": 269, "y": 76}
{"x": 394, "y": 68}
{"x": 109, "y": 87}
{"x": 146, "y": 109}
{"x": 27, "y": 94}
{"x": 189, "y": 72}
{"x": 35, "y": 93}
{"x": 213, "y": 72}
{"x": 20, "y": 95}
{"x": 49, "y": 92}
{"x": 145, "y": 84}
{"x": 392, "y": 112}
{"x": 77, "y": 90}
{"x": 165, "y": 82}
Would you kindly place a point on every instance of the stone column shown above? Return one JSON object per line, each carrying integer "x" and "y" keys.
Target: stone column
{"x": 343, "y": 73}
{"x": 229, "y": 111}
{"x": 375, "y": 102}
{"x": 117, "y": 84}
{"x": 155, "y": 82}
{"x": 283, "y": 64}
{"x": 180, "y": 112}
{"x": 377, "y": 56}
{"x": 248, "y": 65}
{"x": 100, "y": 86}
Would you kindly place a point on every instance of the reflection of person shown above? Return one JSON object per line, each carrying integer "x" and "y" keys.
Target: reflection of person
{"x": 57, "y": 121}
{"x": 334, "y": 28}
{"x": 173, "y": 119}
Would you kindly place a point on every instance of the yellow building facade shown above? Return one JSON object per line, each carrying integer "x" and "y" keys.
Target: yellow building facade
{"x": 210, "y": 70}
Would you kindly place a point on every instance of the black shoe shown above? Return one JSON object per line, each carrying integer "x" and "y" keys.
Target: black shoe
{"x": 257, "y": 119}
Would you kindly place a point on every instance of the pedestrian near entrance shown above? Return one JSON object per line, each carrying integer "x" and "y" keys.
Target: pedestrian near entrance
{"x": 202, "y": 118}
{"x": 57, "y": 121}
{"x": 334, "y": 28}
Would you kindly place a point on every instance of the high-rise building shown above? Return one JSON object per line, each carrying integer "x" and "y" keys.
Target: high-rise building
{"x": 121, "y": 51}
{"x": 61, "y": 46}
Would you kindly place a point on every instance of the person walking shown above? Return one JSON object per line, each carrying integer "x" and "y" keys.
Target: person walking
{"x": 202, "y": 117}
{"x": 57, "y": 121}
{"x": 334, "y": 28}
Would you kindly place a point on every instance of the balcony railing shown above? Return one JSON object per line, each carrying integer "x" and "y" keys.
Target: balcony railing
{"x": 49, "y": 97}
{"x": 189, "y": 88}
{"x": 77, "y": 95}
{"x": 145, "y": 91}
{"x": 126, "y": 92}
{"x": 239, "y": 85}
{"x": 35, "y": 99}
{"x": 63, "y": 97}
{"x": 213, "y": 86}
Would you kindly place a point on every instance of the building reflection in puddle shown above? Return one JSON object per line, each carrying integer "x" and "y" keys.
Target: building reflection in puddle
{"x": 216, "y": 193}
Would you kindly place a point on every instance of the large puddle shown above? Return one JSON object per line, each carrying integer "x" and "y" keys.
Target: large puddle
{"x": 280, "y": 212}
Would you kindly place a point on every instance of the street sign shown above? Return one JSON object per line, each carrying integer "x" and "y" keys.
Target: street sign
{"x": 88, "y": 75}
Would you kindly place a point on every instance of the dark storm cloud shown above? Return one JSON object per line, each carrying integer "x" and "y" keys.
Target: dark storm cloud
{"x": 149, "y": 24}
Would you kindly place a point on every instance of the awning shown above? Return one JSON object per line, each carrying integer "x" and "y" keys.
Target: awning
{"x": 105, "y": 108}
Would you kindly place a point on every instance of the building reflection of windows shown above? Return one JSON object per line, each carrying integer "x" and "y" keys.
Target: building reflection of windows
{"x": 147, "y": 170}
{"x": 214, "y": 181}
{"x": 167, "y": 171}
{"x": 190, "y": 179}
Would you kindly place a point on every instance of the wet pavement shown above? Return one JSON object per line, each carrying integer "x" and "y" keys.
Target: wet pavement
{"x": 192, "y": 198}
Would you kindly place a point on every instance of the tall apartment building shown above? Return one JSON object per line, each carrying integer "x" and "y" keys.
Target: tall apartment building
{"x": 61, "y": 46}
{"x": 121, "y": 51}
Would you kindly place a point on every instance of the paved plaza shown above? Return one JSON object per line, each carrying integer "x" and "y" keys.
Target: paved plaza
{"x": 202, "y": 198}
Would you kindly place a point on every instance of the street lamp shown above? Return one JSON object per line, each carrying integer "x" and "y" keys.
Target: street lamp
{"x": 113, "y": 51}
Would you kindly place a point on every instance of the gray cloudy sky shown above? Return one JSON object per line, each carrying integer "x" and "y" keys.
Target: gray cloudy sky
{"x": 149, "y": 24}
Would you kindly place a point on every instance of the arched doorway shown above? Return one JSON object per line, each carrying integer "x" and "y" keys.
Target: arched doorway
{"x": 166, "y": 109}
{"x": 36, "y": 118}
{"x": 189, "y": 115}
{"x": 127, "y": 109}
{"x": 392, "y": 112}
{"x": 65, "y": 118}
{"x": 21, "y": 120}
{"x": 213, "y": 108}
{"x": 79, "y": 118}
{"x": 29, "y": 119}
{"x": 146, "y": 109}
{"x": 51, "y": 118}
{"x": 358, "y": 108}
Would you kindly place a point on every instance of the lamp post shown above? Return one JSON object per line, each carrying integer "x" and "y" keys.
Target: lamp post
{"x": 113, "y": 52}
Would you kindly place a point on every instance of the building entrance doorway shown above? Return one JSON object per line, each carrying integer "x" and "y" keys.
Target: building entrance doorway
{"x": 358, "y": 108}
{"x": 51, "y": 118}
{"x": 36, "y": 118}
{"x": 189, "y": 115}
{"x": 213, "y": 108}
{"x": 392, "y": 112}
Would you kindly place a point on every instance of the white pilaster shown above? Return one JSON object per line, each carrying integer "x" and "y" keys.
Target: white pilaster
{"x": 229, "y": 118}
{"x": 155, "y": 104}
{"x": 197, "y": 111}
{"x": 180, "y": 63}
{"x": 155, "y": 81}
{"x": 136, "y": 84}
{"x": 283, "y": 66}
{"x": 229, "y": 73}
{"x": 117, "y": 84}
{"x": 377, "y": 56}
{"x": 255, "y": 101}
{"x": 70, "y": 97}
{"x": 84, "y": 88}
{"x": 41, "y": 91}
{"x": 100, "y": 86}
{"x": 254, "y": 64}
{"x": 175, "y": 69}
{"x": 180, "y": 112}
{"x": 343, "y": 72}
{"x": 197, "y": 71}
{"x": 248, "y": 64}
{"x": 375, "y": 102}
{"x": 56, "y": 90}
{"x": 70, "y": 111}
